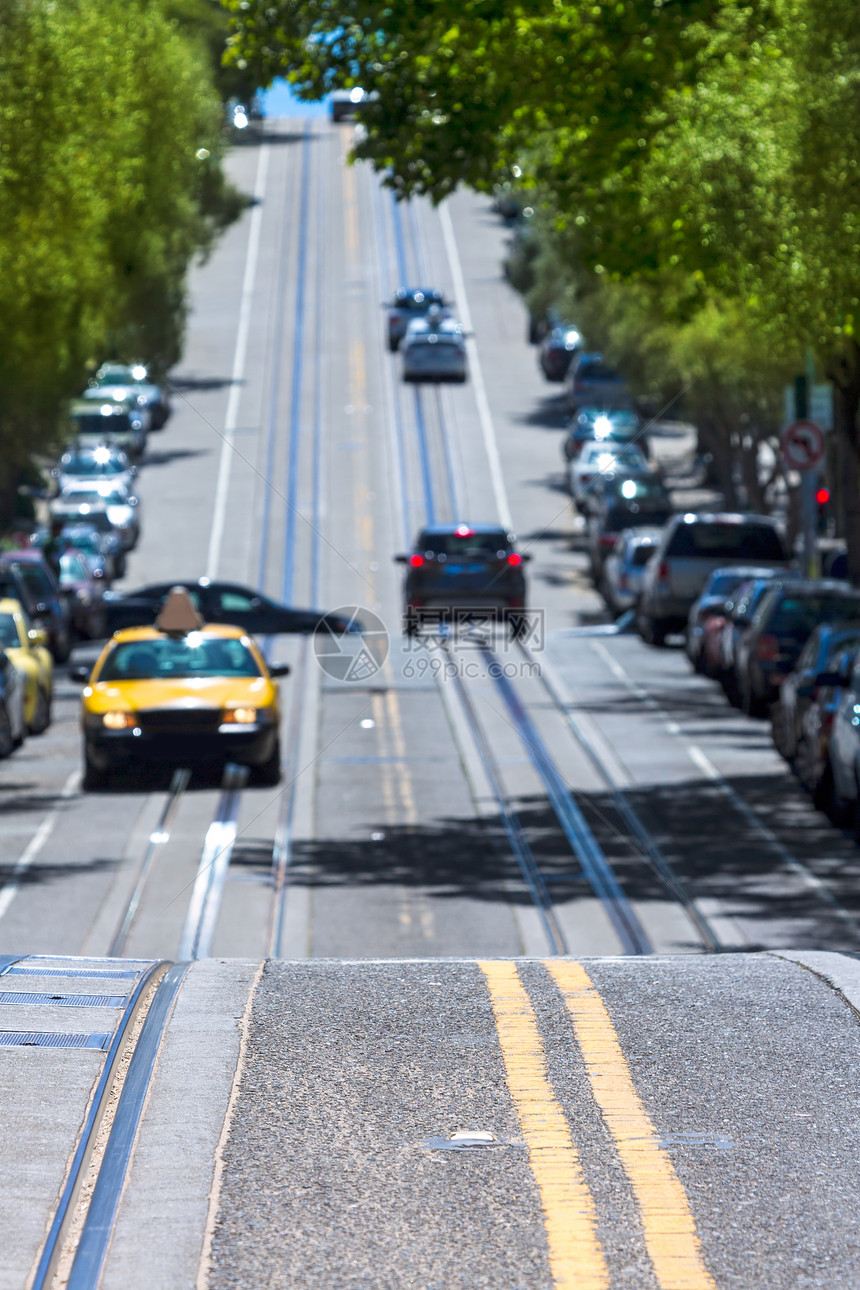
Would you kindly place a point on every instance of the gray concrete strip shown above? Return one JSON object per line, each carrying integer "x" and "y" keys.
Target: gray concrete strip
{"x": 158, "y": 1235}
{"x": 840, "y": 971}
{"x": 45, "y": 1098}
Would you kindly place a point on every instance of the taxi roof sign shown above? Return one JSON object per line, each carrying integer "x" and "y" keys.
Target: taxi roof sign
{"x": 178, "y": 614}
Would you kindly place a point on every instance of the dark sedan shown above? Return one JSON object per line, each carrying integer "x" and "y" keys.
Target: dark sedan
{"x": 788, "y": 614}
{"x": 460, "y": 574}
{"x": 624, "y": 504}
{"x": 812, "y": 672}
{"x": 408, "y": 304}
{"x": 557, "y": 350}
{"x": 84, "y": 594}
{"x": 218, "y": 602}
{"x": 26, "y": 576}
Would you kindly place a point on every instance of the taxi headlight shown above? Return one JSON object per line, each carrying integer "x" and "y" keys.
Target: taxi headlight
{"x": 240, "y": 716}
{"x": 117, "y": 720}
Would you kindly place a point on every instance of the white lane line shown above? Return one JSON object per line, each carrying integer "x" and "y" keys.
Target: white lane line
{"x": 701, "y": 759}
{"x": 219, "y": 512}
{"x": 34, "y": 846}
{"x": 485, "y": 416}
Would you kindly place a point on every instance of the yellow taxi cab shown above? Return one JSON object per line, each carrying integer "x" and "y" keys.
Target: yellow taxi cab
{"x": 181, "y": 692}
{"x": 29, "y": 655}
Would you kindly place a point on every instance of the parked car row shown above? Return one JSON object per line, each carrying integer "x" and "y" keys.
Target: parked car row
{"x": 789, "y": 648}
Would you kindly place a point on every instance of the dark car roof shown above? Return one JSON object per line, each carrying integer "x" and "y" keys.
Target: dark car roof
{"x": 433, "y": 294}
{"x": 446, "y": 529}
{"x": 726, "y": 517}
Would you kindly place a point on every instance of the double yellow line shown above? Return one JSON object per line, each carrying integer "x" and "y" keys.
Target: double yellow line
{"x": 576, "y": 1256}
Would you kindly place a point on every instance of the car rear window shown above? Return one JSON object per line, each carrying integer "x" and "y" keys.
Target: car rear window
{"x": 641, "y": 555}
{"x": 597, "y": 372}
{"x": 794, "y": 613}
{"x": 712, "y": 540}
{"x": 96, "y": 423}
{"x": 484, "y": 546}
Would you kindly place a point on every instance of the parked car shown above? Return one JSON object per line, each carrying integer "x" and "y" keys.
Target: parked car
{"x": 715, "y": 602}
{"x": 27, "y": 649}
{"x": 737, "y": 623}
{"x": 408, "y": 304}
{"x": 592, "y": 382}
{"x": 843, "y": 749}
{"x": 692, "y": 547}
{"x": 26, "y": 576}
{"x": 96, "y": 538}
{"x": 603, "y": 425}
{"x": 136, "y": 375}
{"x": 626, "y": 504}
{"x": 13, "y": 723}
{"x": 469, "y": 567}
{"x": 115, "y": 424}
{"x": 103, "y": 464}
{"x": 788, "y": 613}
{"x": 624, "y": 567}
{"x": 600, "y": 461}
{"x": 557, "y": 350}
{"x": 433, "y": 349}
{"x": 84, "y": 593}
{"x": 800, "y": 688}
{"x": 83, "y": 496}
{"x": 812, "y": 758}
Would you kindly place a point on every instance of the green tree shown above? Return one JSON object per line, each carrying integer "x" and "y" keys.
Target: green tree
{"x": 110, "y": 134}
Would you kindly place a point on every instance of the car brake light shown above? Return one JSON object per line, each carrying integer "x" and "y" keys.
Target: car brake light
{"x": 607, "y": 539}
{"x": 767, "y": 649}
{"x": 663, "y": 571}
{"x": 514, "y": 558}
{"x": 416, "y": 561}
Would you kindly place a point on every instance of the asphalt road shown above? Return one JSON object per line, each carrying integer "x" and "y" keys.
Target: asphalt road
{"x": 426, "y": 814}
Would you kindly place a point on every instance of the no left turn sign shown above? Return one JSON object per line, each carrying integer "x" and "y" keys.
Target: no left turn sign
{"x": 802, "y": 445}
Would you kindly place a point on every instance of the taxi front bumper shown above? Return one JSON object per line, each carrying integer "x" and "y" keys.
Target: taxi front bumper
{"x": 251, "y": 744}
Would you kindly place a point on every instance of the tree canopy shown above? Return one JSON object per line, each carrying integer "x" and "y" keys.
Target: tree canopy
{"x": 110, "y": 182}
{"x": 694, "y": 165}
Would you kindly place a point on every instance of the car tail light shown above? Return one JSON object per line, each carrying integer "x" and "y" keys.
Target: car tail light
{"x": 416, "y": 561}
{"x": 607, "y": 539}
{"x": 516, "y": 602}
{"x": 415, "y": 603}
{"x": 586, "y": 479}
{"x": 515, "y": 558}
{"x": 663, "y": 571}
{"x": 767, "y": 649}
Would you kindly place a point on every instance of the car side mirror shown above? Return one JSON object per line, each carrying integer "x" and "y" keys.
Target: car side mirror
{"x": 401, "y": 559}
{"x": 37, "y": 636}
{"x": 80, "y": 672}
{"x": 279, "y": 669}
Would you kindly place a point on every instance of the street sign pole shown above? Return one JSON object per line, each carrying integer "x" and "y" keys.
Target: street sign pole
{"x": 808, "y": 479}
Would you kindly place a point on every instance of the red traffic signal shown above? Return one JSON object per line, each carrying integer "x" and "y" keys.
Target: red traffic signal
{"x": 822, "y": 496}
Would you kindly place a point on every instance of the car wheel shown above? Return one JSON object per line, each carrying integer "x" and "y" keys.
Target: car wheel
{"x": 393, "y": 344}
{"x": 7, "y": 740}
{"x": 653, "y": 631}
{"x": 62, "y": 647}
{"x": 778, "y": 730}
{"x": 120, "y": 567}
{"x": 824, "y": 795}
{"x": 268, "y": 773}
{"x": 94, "y": 776}
{"x": 42, "y": 715}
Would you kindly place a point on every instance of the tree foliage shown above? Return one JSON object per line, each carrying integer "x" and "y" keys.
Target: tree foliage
{"x": 695, "y": 166}
{"x": 110, "y": 134}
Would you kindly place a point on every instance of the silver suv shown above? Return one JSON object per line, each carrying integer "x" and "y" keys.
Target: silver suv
{"x": 692, "y": 547}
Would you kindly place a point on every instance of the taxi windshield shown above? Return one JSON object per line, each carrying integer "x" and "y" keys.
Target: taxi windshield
{"x": 170, "y": 658}
{"x": 8, "y": 632}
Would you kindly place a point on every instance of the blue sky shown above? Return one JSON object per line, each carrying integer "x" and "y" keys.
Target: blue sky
{"x": 280, "y": 101}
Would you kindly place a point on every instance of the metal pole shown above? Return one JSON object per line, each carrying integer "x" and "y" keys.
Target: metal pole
{"x": 809, "y": 478}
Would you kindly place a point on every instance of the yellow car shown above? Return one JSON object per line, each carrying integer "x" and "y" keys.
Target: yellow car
{"x": 182, "y": 693}
{"x": 26, "y": 647}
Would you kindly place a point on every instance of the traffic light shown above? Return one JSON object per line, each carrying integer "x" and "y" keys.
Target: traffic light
{"x": 823, "y": 510}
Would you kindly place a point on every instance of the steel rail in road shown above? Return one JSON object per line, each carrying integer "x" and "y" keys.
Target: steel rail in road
{"x": 516, "y": 835}
{"x": 282, "y": 848}
{"x": 650, "y": 851}
{"x": 582, "y": 841}
{"x": 104, "y": 1202}
{"x": 53, "y": 1246}
{"x": 208, "y": 888}
{"x": 157, "y": 838}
